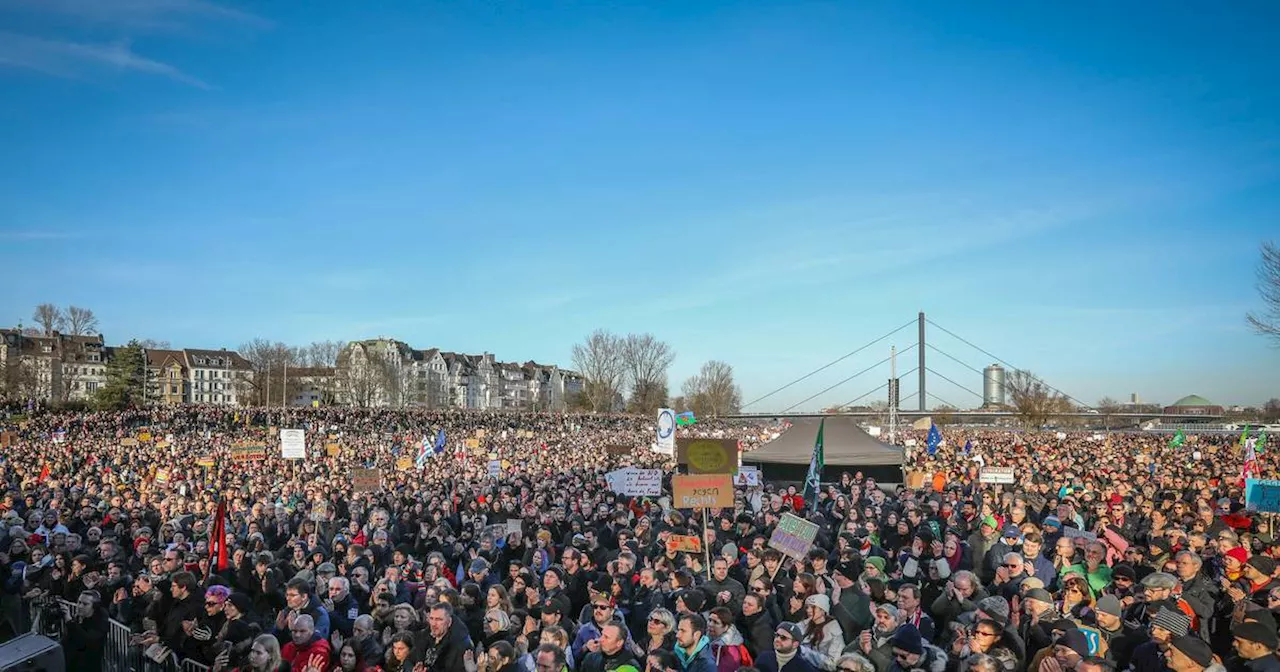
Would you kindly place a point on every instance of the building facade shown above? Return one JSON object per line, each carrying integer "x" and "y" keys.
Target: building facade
{"x": 58, "y": 368}
{"x": 218, "y": 377}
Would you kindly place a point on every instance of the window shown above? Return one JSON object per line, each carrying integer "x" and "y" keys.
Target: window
{"x": 91, "y": 386}
{"x": 46, "y": 347}
{"x": 93, "y": 356}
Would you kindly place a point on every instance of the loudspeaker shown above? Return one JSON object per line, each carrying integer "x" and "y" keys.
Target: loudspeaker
{"x": 32, "y": 652}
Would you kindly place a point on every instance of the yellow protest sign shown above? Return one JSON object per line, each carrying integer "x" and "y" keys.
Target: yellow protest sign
{"x": 472, "y": 443}
{"x": 332, "y": 449}
{"x": 708, "y": 456}
{"x": 404, "y": 463}
{"x": 144, "y": 437}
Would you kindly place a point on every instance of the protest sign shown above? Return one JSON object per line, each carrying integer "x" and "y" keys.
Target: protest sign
{"x": 1077, "y": 533}
{"x": 513, "y": 526}
{"x": 618, "y": 450}
{"x": 684, "y": 542}
{"x": 495, "y": 469}
{"x": 666, "y": 434}
{"x": 695, "y": 491}
{"x": 144, "y": 437}
{"x": 1262, "y": 495}
{"x": 162, "y": 476}
{"x": 472, "y": 443}
{"x": 248, "y": 453}
{"x": 708, "y": 456}
{"x": 793, "y": 536}
{"x": 205, "y": 461}
{"x": 996, "y": 475}
{"x": 7, "y": 439}
{"x": 366, "y": 480}
{"x": 747, "y": 477}
{"x": 320, "y": 511}
{"x": 128, "y": 442}
{"x": 404, "y": 463}
{"x": 635, "y": 482}
{"x": 293, "y": 444}
{"x": 332, "y": 449}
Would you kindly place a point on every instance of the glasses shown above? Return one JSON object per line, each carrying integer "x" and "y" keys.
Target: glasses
{"x": 211, "y": 604}
{"x": 1011, "y": 565}
{"x": 601, "y": 607}
{"x": 981, "y": 633}
{"x": 785, "y": 638}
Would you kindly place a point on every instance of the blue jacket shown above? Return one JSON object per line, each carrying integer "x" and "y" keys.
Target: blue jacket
{"x": 317, "y": 612}
{"x": 700, "y": 661}
{"x": 344, "y": 614}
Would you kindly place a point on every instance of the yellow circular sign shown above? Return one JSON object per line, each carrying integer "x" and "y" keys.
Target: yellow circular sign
{"x": 708, "y": 457}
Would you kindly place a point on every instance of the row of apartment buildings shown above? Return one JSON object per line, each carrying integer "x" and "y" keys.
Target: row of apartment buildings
{"x": 371, "y": 373}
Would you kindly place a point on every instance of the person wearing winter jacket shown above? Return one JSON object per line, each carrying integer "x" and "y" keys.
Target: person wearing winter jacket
{"x": 755, "y": 625}
{"x": 306, "y": 648}
{"x": 611, "y": 652}
{"x": 786, "y": 654}
{"x": 912, "y": 652}
{"x": 823, "y": 638}
{"x": 693, "y": 647}
{"x": 727, "y": 646}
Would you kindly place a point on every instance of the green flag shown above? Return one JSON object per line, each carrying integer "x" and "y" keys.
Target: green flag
{"x": 813, "y": 481}
{"x": 1178, "y": 440}
{"x": 1261, "y": 443}
{"x": 1244, "y": 436}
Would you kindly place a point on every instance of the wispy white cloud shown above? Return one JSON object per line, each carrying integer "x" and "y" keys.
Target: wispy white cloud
{"x": 150, "y": 15}
{"x": 61, "y": 58}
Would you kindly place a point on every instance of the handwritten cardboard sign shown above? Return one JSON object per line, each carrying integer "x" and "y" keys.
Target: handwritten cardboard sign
{"x": 128, "y": 442}
{"x": 366, "y": 480}
{"x": 684, "y": 542}
{"x": 747, "y": 477}
{"x": 205, "y": 461}
{"x": 635, "y": 482}
{"x": 708, "y": 456}
{"x": 793, "y": 536}
{"x": 248, "y": 453}
{"x": 404, "y": 463}
{"x": 618, "y": 450}
{"x": 697, "y": 491}
{"x": 332, "y": 449}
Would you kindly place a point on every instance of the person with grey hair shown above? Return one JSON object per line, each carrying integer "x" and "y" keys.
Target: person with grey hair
{"x": 961, "y": 595}
{"x": 341, "y": 606}
{"x": 1197, "y": 590}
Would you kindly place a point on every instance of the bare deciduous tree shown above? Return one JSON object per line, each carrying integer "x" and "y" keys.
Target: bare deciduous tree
{"x": 1108, "y": 408}
{"x": 360, "y": 374}
{"x": 647, "y": 359}
{"x": 1032, "y": 399}
{"x": 323, "y": 353}
{"x": 154, "y": 344}
{"x": 712, "y": 391}
{"x": 1268, "y": 322}
{"x": 80, "y": 321}
{"x": 601, "y": 362}
{"x": 49, "y": 317}
{"x": 270, "y": 363}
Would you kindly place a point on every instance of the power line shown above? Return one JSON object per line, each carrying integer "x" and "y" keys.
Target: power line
{"x": 828, "y": 365}
{"x": 882, "y": 386}
{"x": 952, "y": 382}
{"x": 879, "y": 363}
{"x": 1012, "y": 367}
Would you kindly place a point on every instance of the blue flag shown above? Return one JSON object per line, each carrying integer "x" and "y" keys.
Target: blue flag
{"x": 439, "y": 448}
{"x": 968, "y": 446}
{"x": 935, "y": 439}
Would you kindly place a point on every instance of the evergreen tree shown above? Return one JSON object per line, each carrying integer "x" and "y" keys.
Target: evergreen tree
{"x": 125, "y": 376}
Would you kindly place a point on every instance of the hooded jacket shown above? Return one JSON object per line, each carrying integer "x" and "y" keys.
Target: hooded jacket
{"x": 730, "y": 651}
{"x": 700, "y": 660}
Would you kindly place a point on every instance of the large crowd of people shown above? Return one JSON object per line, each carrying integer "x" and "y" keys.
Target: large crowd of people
{"x": 504, "y": 549}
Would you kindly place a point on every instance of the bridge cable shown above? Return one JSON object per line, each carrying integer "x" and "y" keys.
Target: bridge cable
{"x": 953, "y": 383}
{"x": 842, "y": 382}
{"x": 882, "y": 386}
{"x": 828, "y": 365}
{"x": 1012, "y": 367}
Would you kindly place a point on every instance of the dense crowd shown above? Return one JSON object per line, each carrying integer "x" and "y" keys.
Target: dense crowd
{"x": 1115, "y": 552}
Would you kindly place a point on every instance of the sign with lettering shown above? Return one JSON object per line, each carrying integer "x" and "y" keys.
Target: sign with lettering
{"x": 128, "y": 442}
{"x": 1262, "y": 495}
{"x": 697, "y": 491}
{"x": 366, "y": 480}
{"x": 472, "y": 443}
{"x": 205, "y": 461}
{"x": 793, "y": 536}
{"x": 248, "y": 453}
{"x": 404, "y": 463}
{"x": 1077, "y": 533}
{"x": 684, "y": 542}
{"x": 708, "y": 456}
{"x": 144, "y": 437}
{"x": 996, "y": 475}
{"x": 618, "y": 450}
{"x": 162, "y": 476}
{"x": 495, "y": 469}
{"x": 7, "y": 439}
{"x": 635, "y": 482}
{"x": 332, "y": 449}
{"x": 293, "y": 444}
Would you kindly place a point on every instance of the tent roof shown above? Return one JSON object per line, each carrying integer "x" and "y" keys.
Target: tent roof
{"x": 844, "y": 444}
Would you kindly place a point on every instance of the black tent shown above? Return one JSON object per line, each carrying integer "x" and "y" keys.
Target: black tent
{"x": 846, "y": 447}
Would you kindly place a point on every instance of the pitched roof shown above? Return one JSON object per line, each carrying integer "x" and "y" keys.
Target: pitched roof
{"x": 161, "y": 358}
{"x": 230, "y": 359}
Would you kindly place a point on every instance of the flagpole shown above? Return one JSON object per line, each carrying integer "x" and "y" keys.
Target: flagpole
{"x": 706, "y": 547}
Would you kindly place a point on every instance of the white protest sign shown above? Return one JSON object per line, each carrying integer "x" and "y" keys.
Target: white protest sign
{"x": 293, "y": 444}
{"x": 1077, "y": 533}
{"x": 1061, "y": 435}
{"x": 996, "y": 475}
{"x": 910, "y": 443}
{"x": 495, "y": 469}
{"x": 635, "y": 482}
{"x": 666, "y": 432}
{"x": 747, "y": 477}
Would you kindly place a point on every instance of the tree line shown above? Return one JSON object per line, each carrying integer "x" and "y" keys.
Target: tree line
{"x": 629, "y": 372}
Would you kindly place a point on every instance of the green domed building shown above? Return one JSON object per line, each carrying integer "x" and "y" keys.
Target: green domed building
{"x": 1193, "y": 404}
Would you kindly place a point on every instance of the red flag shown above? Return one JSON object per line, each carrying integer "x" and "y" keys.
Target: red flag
{"x": 218, "y": 540}
{"x": 44, "y": 473}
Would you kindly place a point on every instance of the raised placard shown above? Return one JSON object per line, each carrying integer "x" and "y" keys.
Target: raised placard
{"x": 696, "y": 491}
{"x": 708, "y": 456}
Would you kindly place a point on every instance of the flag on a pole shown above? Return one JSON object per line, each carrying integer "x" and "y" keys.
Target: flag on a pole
{"x": 968, "y": 446}
{"x": 813, "y": 481}
{"x": 439, "y": 447}
{"x": 218, "y": 540}
{"x": 1178, "y": 439}
{"x": 44, "y": 473}
{"x": 424, "y": 451}
{"x": 686, "y": 418}
{"x": 1244, "y": 436}
{"x": 934, "y": 440}
{"x": 1261, "y": 444}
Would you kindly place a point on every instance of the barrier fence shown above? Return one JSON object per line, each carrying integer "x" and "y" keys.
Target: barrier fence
{"x": 118, "y": 655}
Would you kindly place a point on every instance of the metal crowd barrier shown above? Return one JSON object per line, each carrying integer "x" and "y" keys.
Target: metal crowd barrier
{"x": 118, "y": 654}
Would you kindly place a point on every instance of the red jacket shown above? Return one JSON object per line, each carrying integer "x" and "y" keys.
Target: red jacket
{"x": 299, "y": 656}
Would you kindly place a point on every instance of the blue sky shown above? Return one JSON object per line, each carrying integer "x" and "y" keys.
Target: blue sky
{"x": 1078, "y": 188}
